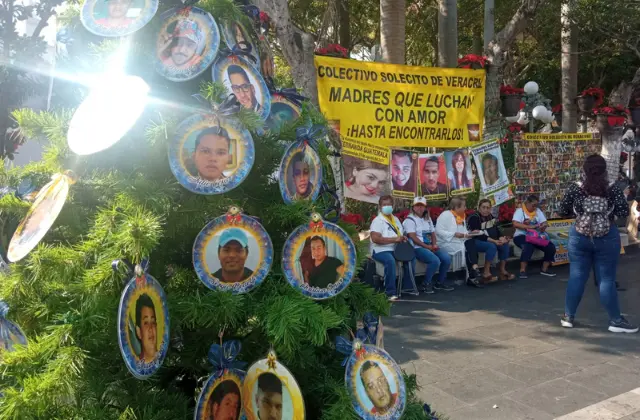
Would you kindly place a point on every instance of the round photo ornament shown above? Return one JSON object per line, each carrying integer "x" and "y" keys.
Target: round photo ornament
{"x": 143, "y": 325}
{"x": 244, "y": 80}
{"x": 10, "y": 333}
{"x": 114, "y": 18}
{"x": 233, "y": 253}
{"x": 319, "y": 259}
{"x": 43, "y": 213}
{"x": 211, "y": 155}
{"x": 239, "y": 36}
{"x": 374, "y": 381}
{"x": 186, "y": 44}
{"x": 221, "y": 395}
{"x": 300, "y": 174}
{"x": 271, "y": 392}
{"x": 285, "y": 108}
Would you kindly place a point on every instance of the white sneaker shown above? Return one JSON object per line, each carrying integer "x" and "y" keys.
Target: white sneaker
{"x": 393, "y": 298}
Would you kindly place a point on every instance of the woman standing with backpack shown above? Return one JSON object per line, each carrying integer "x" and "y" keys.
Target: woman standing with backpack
{"x": 594, "y": 241}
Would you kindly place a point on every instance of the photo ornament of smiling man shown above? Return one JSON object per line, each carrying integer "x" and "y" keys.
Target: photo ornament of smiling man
{"x": 186, "y": 44}
{"x": 143, "y": 326}
{"x": 300, "y": 174}
{"x": 232, "y": 253}
{"x": 210, "y": 155}
{"x": 403, "y": 168}
{"x": 245, "y": 81}
{"x": 319, "y": 259}
{"x": 111, "y": 18}
{"x": 375, "y": 383}
{"x": 271, "y": 392}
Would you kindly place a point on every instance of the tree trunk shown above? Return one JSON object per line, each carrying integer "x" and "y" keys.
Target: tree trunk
{"x": 569, "y": 63}
{"x": 392, "y": 30}
{"x": 447, "y": 33}
{"x": 345, "y": 24}
{"x": 495, "y": 52}
{"x": 489, "y": 22}
{"x": 611, "y": 149}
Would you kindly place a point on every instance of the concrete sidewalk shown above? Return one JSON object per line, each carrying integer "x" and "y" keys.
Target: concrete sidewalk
{"x": 503, "y": 347}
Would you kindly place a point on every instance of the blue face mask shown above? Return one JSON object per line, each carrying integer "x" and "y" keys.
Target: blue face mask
{"x": 387, "y": 210}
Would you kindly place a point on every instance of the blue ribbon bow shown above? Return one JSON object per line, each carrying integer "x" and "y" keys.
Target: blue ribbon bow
{"x": 369, "y": 332}
{"x": 310, "y": 134}
{"x": 290, "y": 93}
{"x": 241, "y": 49}
{"x": 24, "y": 188}
{"x": 4, "y": 309}
{"x": 223, "y": 357}
{"x": 345, "y": 347}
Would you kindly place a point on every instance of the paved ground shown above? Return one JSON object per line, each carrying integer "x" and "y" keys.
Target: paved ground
{"x": 473, "y": 350}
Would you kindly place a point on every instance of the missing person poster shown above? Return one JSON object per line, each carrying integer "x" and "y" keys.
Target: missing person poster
{"x": 402, "y": 106}
{"x": 433, "y": 176}
{"x": 404, "y": 173}
{"x": 365, "y": 170}
{"x": 459, "y": 173}
{"x": 494, "y": 182}
{"x": 558, "y": 230}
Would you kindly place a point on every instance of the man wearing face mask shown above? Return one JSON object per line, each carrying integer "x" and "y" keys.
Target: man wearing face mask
{"x": 386, "y": 232}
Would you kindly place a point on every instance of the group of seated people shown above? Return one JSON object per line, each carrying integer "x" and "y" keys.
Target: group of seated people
{"x": 454, "y": 233}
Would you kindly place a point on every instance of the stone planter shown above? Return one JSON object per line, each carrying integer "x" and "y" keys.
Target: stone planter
{"x": 603, "y": 124}
{"x": 585, "y": 103}
{"x": 510, "y": 106}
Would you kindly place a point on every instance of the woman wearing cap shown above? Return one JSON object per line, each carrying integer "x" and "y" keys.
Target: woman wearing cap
{"x": 421, "y": 232}
{"x": 453, "y": 237}
{"x": 491, "y": 242}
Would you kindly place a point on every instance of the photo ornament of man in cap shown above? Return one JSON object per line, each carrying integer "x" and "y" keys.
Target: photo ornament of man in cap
{"x": 210, "y": 155}
{"x": 186, "y": 44}
{"x": 113, "y": 18}
{"x": 233, "y": 253}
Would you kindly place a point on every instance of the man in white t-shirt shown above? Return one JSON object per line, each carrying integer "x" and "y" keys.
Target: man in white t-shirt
{"x": 530, "y": 217}
{"x": 386, "y": 232}
{"x": 419, "y": 228}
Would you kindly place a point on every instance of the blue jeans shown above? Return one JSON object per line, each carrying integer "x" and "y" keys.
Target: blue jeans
{"x": 436, "y": 261}
{"x": 387, "y": 259}
{"x": 490, "y": 250}
{"x": 527, "y": 249}
{"x": 602, "y": 256}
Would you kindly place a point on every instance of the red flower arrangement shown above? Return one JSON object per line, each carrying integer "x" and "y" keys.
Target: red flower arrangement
{"x": 596, "y": 92}
{"x": 510, "y": 90}
{"x": 435, "y": 212}
{"x": 617, "y": 115}
{"x": 401, "y": 215}
{"x": 522, "y": 105}
{"x": 353, "y": 218}
{"x": 333, "y": 50}
{"x": 469, "y": 60}
{"x": 556, "y": 109}
{"x": 264, "y": 17}
{"x": 505, "y": 212}
{"x": 513, "y": 130}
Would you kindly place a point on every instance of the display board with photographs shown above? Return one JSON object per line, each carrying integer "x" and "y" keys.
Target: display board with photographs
{"x": 209, "y": 155}
{"x": 43, "y": 213}
{"x": 459, "y": 172}
{"x": 404, "y": 173}
{"x": 271, "y": 392}
{"x": 245, "y": 81}
{"x": 319, "y": 259}
{"x": 187, "y": 43}
{"x": 300, "y": 175}
{"x": 433, "y": 176}
{"x": 375, "y": 383}
{"x": 143, "y": 326}
{"x": 233, "y": 253}
{"x": 112, "y": 18}
{"x": 546, "y": 168}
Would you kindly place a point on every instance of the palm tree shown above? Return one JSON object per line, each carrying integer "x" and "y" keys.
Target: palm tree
{"x": 392, "y": 30}
{"x": 569, "y": 63}
{"x": 447, "y": 33}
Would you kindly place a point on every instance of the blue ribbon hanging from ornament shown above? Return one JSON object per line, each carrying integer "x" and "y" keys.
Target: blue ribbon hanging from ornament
{"x": 241, "y": 49}
{"x": 291, "y": 94}
{"x": 222, "y": 357}
{"x": 369, "y": 332}
{"x": 347, "y": 348}
{"x": 310, "y": 135}
{"x": 7, "y": 328}
{"x": 23, "y": 189}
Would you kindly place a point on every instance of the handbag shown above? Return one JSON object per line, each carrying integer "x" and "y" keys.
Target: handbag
{"x": 537, "y": 238}
{"x": 404, "y": 252}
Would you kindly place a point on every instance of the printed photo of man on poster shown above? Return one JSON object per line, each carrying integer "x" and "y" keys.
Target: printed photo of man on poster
{"x": 433, "y": 176}
{"x": 403, "y": 173}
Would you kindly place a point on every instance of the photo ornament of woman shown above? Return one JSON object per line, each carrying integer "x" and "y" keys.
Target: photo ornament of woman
{"x": 143, "y": 326}
{"x": 186, "y": 44}
{"x": 283, "y": 111}
{"x": 232, "y": 253}
{"x": 10, "y": 333}
{"x": 300, "y": 175}
{"x": 245, "y": 81}
{"x": 375, "y": 383}
{"x": 113, "y": 18}
{"x": 43, "y": 213}
{"x": 210, "y": 155}
{"x": 319, "y": 259}
{"x": 221, "y": 396}
{"x": 271, "y": 392}
{"x": 236, "y": 34}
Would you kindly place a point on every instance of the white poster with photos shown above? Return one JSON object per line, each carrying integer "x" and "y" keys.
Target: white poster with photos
{"x": 494, "y": 181}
